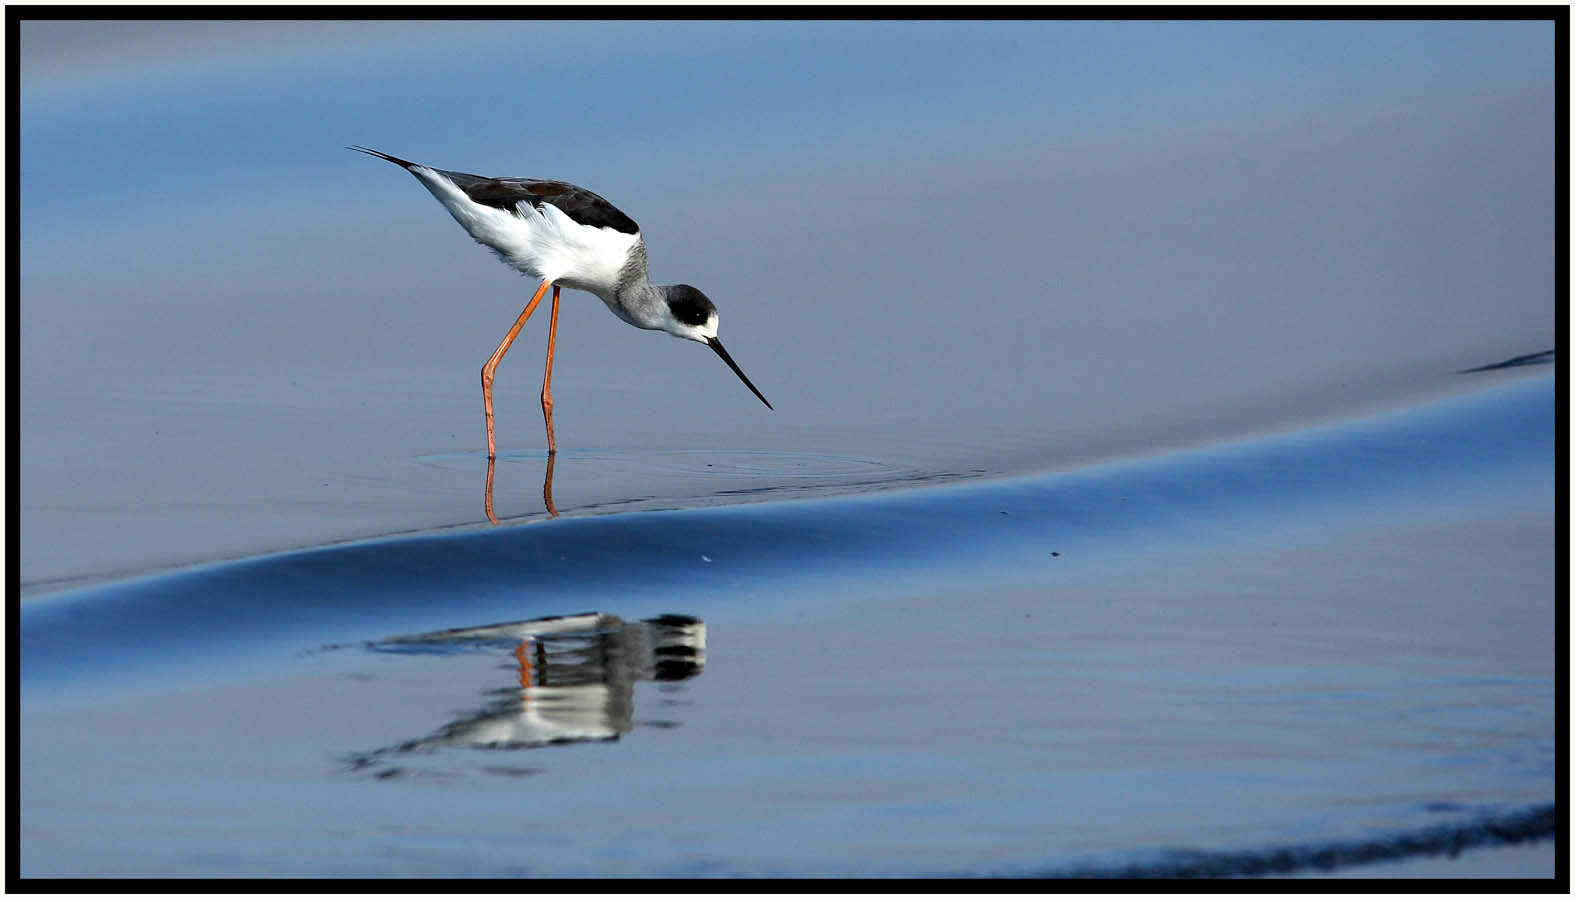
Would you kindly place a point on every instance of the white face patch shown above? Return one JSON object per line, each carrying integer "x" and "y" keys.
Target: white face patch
{"x": 699, "y": 333}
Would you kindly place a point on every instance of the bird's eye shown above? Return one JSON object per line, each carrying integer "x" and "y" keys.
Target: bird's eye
{"x": 690, "y": 312}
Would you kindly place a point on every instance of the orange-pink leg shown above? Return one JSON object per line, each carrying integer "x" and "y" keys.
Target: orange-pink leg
{"x": 497, "y": 356}
{"x": 546, "y": 383}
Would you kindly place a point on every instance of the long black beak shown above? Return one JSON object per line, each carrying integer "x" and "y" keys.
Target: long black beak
{"x": 715, "y": 344}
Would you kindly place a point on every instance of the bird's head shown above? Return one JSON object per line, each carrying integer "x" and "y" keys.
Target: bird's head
{"x": 691, "y": 315}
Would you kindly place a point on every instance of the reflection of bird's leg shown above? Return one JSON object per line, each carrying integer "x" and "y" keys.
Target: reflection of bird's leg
{"x": 487, "y": 497}
{"x": 497, "y": 356}
{"x": 546, "y": 384}
{"x": 527, "y": 670}
{"x": 546, "y": 489}
{"x": 546, "y": 486}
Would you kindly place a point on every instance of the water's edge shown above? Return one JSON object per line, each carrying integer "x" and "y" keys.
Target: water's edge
{"x": 1463, "y": 445}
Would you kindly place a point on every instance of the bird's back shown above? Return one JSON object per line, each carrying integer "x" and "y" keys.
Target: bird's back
{"x": 548, "y": 229}
{"x": 583, "y": 206}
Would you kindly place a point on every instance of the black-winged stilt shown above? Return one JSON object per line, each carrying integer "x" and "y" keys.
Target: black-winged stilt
{"x": 568, "y": 237}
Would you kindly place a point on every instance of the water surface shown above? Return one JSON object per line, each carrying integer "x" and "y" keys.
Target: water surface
{"x": 1313, "y": 650}
{"x": 1160, "y": 482}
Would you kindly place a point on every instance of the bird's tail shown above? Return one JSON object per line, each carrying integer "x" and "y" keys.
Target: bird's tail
{"x": 405, "y": 163}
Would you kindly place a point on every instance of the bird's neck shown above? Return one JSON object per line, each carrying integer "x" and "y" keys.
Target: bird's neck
{"x": 634, "y": 298}
{"x": 632, "y": 277}
{"x": 639, "y": 302}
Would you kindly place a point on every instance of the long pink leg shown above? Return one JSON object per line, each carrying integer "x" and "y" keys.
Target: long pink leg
{"x": 546, "y": 384}
{"x": 497, "y": 356}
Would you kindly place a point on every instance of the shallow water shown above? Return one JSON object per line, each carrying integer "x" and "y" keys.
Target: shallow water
{"x": 1113, "y": 301}
{"x": 1320, "y": 648}
{"x": 1065, "y": 550}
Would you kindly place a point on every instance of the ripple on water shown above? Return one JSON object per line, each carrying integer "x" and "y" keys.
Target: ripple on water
{"x": 698, "y": 462}
{"x": 708, "y": 474}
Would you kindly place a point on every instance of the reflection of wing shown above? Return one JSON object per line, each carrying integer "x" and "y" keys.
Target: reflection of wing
{"x": 668, "y": 647}
{"x": 675, "y": 647}
{"x": 510, "y": 632}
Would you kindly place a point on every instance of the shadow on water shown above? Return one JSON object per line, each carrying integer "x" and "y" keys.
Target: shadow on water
{"x": 573, "y": 679}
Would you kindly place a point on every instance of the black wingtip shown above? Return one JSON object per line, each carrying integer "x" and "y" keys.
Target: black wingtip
{"x": 394, "y": 159}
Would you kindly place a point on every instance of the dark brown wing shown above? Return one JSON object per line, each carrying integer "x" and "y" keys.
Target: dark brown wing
{"x": 577, "y": 203}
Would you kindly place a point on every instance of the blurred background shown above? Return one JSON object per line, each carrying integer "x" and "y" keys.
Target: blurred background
{"x": 941, "y": 249}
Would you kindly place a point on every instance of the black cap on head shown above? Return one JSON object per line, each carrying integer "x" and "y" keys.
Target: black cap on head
{"x": 689, "y": 306}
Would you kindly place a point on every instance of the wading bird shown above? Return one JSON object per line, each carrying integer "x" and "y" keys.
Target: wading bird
{"x": 568, "y": 237}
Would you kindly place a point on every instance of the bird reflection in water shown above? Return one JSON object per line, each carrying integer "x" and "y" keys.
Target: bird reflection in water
{"x": 574, "y": 680}
{"x": 546, "y": 489}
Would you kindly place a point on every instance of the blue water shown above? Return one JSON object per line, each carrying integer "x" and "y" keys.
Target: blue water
{"x": 1312, "y": 649}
